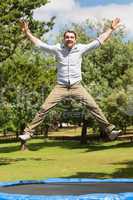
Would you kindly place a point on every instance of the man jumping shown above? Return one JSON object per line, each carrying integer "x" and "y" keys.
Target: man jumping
{"x": 69, "y": 59}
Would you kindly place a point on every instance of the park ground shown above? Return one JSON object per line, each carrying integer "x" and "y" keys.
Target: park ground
{"x": 66, "y": 159}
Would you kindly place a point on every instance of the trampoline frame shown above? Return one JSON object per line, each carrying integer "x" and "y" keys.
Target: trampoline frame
{"x": 90, "y": 196}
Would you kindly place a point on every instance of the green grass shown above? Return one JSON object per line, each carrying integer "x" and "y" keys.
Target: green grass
{"x": 66, "y": 159}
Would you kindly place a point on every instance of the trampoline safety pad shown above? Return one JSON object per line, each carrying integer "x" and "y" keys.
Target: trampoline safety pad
{"x": 68, "y": 189}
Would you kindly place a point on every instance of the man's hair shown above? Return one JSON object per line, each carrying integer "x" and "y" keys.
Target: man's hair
{"x": 69, "y": 31}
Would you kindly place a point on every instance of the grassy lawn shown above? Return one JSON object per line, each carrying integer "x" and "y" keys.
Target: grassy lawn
{"x": 50, "y": 159}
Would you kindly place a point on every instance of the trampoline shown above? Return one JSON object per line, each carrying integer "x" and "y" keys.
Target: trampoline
{"x": 68, "y": 189}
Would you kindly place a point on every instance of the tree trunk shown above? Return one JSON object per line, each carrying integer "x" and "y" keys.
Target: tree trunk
{"x": 5, "y": 132}
{"x": 83, "y": 139}
{"x": 46, "y": 131}
{"x": 103, "y": 134}
{"x": 60, "y": 124}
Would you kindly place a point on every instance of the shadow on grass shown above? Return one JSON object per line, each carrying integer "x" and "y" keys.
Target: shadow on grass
{"x": 126, "y": 171}
{"x": 95, "y": 146}
{"x": 87, "y": 175}
{"x": 7, "y": 161}
{"x": 123, "y": 172}
{"x": 112, "y": 145}
{"x": 8, "y": 148}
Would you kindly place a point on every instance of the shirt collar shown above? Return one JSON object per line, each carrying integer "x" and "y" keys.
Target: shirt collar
{"x": 64, "y": 47}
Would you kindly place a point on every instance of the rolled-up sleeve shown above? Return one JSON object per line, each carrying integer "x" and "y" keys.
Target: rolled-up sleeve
{"x": 52, "y": 49}
{"x": 88, "y": 47}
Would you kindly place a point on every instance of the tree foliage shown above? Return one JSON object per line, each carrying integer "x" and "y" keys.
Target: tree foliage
{"x": 27, "y": 76}
{"x": 107, "y": 72}
{"x": 24, "y": 76}
{"x": 11, "y": 11}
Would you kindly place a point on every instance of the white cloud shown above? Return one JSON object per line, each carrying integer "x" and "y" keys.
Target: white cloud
{"x": 67, "y": 11}
{"x": 55, "y": 7}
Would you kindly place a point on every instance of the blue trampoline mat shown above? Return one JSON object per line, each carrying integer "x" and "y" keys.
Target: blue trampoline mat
{"x": 68, "y": 189}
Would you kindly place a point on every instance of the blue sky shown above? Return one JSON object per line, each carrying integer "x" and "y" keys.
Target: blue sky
{"x": 85, "y": 3}
{"x": 78, "y": 11}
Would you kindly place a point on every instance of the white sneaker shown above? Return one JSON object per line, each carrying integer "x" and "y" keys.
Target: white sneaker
{"x": 114, "y": 134}
{"x": 25, "y": 137}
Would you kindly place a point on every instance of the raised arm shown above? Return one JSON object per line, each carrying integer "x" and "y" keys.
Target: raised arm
{"x": 102, "y": 38}
{"x": 114, "y": 25}
{"x": 52, "y": 49}
{"x": 25, "y": 29}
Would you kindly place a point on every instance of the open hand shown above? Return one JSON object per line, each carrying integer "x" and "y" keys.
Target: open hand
{"x": 115, "y": 23}
{"x": 24, "y": 26}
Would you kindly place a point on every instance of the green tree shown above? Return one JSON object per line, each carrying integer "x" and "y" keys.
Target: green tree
{"x": 10, "y": 14}
{"x": 107, "y": 69}
{"x": 24, "y": 76}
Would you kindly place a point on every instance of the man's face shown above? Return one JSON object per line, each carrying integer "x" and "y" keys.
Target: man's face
{"x": 69, "y": 40}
